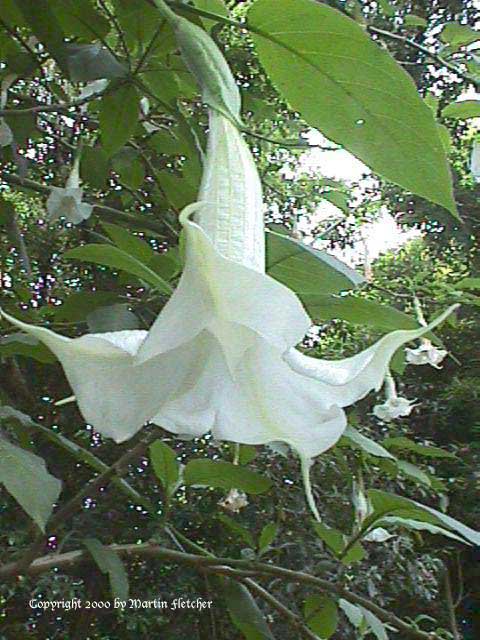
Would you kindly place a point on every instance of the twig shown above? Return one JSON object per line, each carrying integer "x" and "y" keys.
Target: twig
{"x": 121, "y": 36}
{"x": 290, "y": 144}
{"x": 118, "y": 469}
{"x": 435, "y": 57}
{"x": 16, "y": 238}
{"x": 451, "y": 607}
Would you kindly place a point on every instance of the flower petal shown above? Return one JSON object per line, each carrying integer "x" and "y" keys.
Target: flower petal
{"x": 212, "y": 289}
{"x": 346, "y": 381}
{"x": 115, "y": 396}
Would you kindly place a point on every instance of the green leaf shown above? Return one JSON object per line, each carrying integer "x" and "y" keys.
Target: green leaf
{"x": 357, "y": 311}
{"x": 78, "y": 18}
{"x": 353, "y": 613}
{"x": 387, "y": 8}
{"x": 415, "y": 21}
{"x": 115, "y": 317}
{"x": 390, "y": 504}
{"x": 366, "y": 444}
{"x": 267, "y": 536}
{"x": 321, "y": 614}
{"x": 115, "y": 258}
{"x": 306, "y": 270}
{"x": 129, "y": 166}
{"x": 413, "y": 472}
{"x": 405, "y": 444}
{"x": 415, "y": 525}
{"x": 212, "y": 6}
{"x": 206, "y": 63}
{"x": 165, "y": 464}
{"x": 25, "y": 477}
{"x": 87, "y": 62}
{"x": 376, "y": 625}
{"x": 458, "y": 35}
{"x": 244, "y": 611}
{"x": 468, "y": 283}
{"x": 78, "y": 305}
{"x": 108, "y": 561}
{"x": 247, "y": 453}
{"x": 462, "y": 110}
{"x": 44, "y": 24}
{"x": 118, "y": 117}
{"x": 334, "y": 539}
{"x": 94, "y": 166}
{"x": 130, "y": 243}
{"x": 237, "y": 529}
{"x": 20, "y": 344}
{"x": 358, "y": 96}
{"x": 225, "y": 475}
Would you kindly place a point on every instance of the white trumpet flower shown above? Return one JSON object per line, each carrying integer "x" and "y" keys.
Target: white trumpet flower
{"x": 394, "y": 406}
{"x": 426, "y": 353}
{"x": 220, "y": 357}
{"x": 66, "y": 201}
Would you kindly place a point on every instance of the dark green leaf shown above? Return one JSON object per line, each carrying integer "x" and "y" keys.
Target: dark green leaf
{"x": 115, "y": 258}
{"x": 130, "y": 243}
{"x": 240, "y": 532}
{"x": 129, "y": 166}
{"x": 352, "y": 91}
{"x": 405, "y": 444}
{"x": 247, "y": 453}
{"x": 88, "y": 62}
{"x": 165, "y": 464}
{"x": 321, "y": 614}
{"x": 108, "y": 561}
{"x": 225, "y": 475}
{"x": 20, "y": 344}
{"x": 78, "y": 305}
{"x": 78, "y": 18}
{"x": 459, "y": 35}
{"x": 94, "y": 166}
{"x": 244, "y": 611}
{"x": 415, "y": 21}
{"x": 268, "y": 535}
{"x": 118, "y": 117}
{"x": 26, "y": 478}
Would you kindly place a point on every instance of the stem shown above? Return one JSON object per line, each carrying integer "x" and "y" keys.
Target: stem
{"x": 451, "y": 607}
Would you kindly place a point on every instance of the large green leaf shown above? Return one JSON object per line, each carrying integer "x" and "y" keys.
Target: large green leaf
{"x": 115, "y": 258}
{"x": 225, "y": 475}
{"x": 25, "y": 477}
{"x": 118, "y": 117}
{"x": 114, "y": 317}
{"x": 21, "y": 344}
{"x": 306, "y": 270}
{"x": 78, "y": 305}
{"x": 358, "y": 311}
{"x": 405, "y": 444}
{"x": 244, "y": 611}
{"x": 342, "y": 83}
{"x": 108, "y": 561}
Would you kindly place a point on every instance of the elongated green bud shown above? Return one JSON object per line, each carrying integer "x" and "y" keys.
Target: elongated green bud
{"x": 206, "y": 63}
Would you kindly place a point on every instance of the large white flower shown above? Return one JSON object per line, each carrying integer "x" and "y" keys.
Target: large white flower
{"x": 220, "y": 357}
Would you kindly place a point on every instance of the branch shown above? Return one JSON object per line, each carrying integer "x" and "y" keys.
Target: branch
{"x": 434, "y": 57}
{"x": 109, "y": 213}
{"x": 16, "y": 238}
{"x": 60, "y": 107}
{"x": 237, "y": 568}
{"x": 290, "y": 144}
{"x": 118, "y": 469}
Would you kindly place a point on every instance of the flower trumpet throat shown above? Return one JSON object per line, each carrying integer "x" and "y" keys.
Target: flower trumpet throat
{"x": 221, "y": 355}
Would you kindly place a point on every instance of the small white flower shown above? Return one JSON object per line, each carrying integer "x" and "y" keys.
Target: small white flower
{"x": 426, "y": 353}
{"x": 234, "y": 501}
{"x": 67, "y": 202}
{"x": 393, "y": 408}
